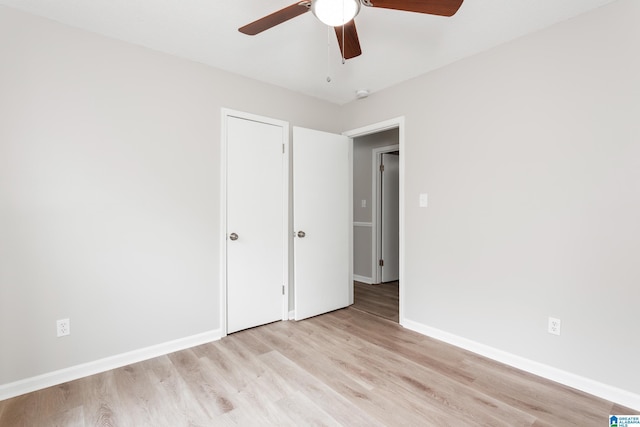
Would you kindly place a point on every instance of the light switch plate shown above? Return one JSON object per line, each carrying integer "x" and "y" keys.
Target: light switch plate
{"x": 424, "y": 200}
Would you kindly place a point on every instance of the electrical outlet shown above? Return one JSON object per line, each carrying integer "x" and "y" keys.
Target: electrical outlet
{"x": 554, "y": 326}
{"x": 64, "y": 327}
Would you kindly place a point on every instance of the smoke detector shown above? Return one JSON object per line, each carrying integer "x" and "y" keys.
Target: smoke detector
{"x": 362, "y": 93}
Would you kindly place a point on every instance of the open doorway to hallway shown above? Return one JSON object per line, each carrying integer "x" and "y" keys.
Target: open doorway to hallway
{"x": 376, "y": 223}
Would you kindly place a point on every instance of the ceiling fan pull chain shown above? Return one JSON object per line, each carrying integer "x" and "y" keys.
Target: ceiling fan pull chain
{"x": 343, "y": 46}
{"x": 328, "y": 54}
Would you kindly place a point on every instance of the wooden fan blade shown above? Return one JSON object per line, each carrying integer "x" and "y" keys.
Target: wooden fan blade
{"x": 275, "y": 18}
{"x": 351, "y": 47}
{"x": 432, "y": 7}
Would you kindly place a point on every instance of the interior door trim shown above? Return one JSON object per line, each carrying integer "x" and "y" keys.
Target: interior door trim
{"x": 225, "y": 114}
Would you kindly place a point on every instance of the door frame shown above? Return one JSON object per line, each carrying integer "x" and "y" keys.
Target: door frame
{"x": 226, "y": 113}
{"x": 376, "y": 203}
{"x": 399, "y": 123}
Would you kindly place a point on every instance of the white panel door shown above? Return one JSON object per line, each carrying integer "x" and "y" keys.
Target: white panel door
{"x": 321, "y": 211}
{"x": 256, "y": 206}
{"x": 390, "y": 219}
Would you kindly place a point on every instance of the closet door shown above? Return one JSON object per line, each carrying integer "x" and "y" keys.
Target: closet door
{"x": 256, "y": 221}
{"x": 322, "y": 218}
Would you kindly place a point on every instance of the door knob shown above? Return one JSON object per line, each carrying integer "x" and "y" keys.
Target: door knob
{"x": 233, "y": 236}
{"x": 301, "y": 234}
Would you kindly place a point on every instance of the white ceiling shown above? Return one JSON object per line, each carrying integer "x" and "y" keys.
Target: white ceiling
{"x": 296, "y": 55}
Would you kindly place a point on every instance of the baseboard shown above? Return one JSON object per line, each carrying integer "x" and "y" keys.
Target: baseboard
{"x": 79, "y": 371}
{"x": 362, "y": 224}
{"x": 604, "y": 391}
{"x": 292, "y": 314}
{"x": 363, "y": 279}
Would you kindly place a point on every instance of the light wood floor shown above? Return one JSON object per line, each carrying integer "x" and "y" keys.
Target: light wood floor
{"x": 345, "y": 368}
{"x": 381, "y": 300}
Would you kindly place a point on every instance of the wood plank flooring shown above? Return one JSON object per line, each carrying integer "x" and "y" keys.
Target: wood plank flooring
{"x": 381, "y": 300}
{"x": 345, "y": 368}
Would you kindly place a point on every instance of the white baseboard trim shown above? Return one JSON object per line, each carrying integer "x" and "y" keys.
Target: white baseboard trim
{"x": 292, "y": 314}
{"x": 363, "y": 279}
{"x": 604, "y": 391}
{"x": 362, "y": 224}
{"x": 90, "y": 368}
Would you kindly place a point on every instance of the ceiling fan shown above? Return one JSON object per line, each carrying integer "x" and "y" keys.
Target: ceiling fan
{"x": 340, "y": 14}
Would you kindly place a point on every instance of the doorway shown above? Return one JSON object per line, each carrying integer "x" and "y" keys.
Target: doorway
{"x": 387, "y": 205}
{"x": 377, "y": 290}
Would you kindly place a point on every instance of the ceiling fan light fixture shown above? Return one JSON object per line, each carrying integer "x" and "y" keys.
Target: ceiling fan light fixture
{"x": 335, "y": 13}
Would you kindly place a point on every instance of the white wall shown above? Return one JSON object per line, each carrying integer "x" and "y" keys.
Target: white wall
{"x": 109, "y": 192}
{"x": 530, "y": 154}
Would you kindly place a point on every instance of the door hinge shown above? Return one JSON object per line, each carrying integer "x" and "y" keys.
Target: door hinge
{"x": 282, "y": 289}
{"x": 381, "y": 263}
{"x": 381, "y": 168}
{"x": 282, "y": 148}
